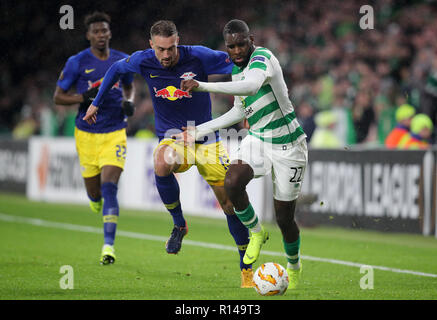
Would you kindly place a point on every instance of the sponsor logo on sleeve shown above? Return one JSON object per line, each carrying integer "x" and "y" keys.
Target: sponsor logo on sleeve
{"x": 258, "y": 58}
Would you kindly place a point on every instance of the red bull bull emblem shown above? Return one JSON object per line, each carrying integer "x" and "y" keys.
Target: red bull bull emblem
{"x": 188, "y": 75}
{"x": 171, "y": 93}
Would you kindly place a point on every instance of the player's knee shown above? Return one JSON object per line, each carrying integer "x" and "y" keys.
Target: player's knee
{"x": 234, "y": 183}
{"x": 237, "y": 177}
{"x": 165, "y": 161}
{"x": 162, "y": 169}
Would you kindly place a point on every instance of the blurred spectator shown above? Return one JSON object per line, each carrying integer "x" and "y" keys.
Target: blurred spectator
{"x": 421, "y": 130}
{"x": 27, "y": 126}
{"x": 324, "y": 136}
{"x": 404, "y": 115}
{"x": 385, "y": 113}
{"x": 305, "y": 116}
{"x": 429, "y": 97}
{"x": 363, "y": 117}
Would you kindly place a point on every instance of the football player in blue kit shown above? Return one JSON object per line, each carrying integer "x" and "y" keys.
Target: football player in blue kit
{"x": 102, "y": 147}
{"x": 163, "y": 67}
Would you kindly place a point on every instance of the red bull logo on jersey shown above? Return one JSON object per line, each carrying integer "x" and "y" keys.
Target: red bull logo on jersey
{"x": 97, "y": 83}
{"x": 171, "y": 93}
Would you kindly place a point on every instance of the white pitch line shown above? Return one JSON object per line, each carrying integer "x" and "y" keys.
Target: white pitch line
{"x": 143, "y": 236}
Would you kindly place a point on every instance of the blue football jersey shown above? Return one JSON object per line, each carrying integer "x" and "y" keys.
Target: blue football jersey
{"x": 84, "y": 71}
{"x": 173, "y": 107}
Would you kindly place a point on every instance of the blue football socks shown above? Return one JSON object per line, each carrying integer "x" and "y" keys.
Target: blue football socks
{"x": 241, "y": 237}
{"x": 168, "y": 189}
{"x": 110, "y": 211}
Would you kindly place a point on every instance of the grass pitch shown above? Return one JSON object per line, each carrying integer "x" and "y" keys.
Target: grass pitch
{"x": 37, "y": 239}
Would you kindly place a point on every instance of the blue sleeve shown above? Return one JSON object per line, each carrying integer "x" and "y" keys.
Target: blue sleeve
{"x": 69, "y": 74}
{"x": 127, "y": 78}
{"x": 124, "y": 69}
{"x": 214, "y": 62}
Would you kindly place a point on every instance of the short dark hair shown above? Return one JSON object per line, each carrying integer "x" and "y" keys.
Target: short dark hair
{"x": 96, "y": 16}
{"x": 164, "y": 28}
{"x": 236, "y": 26}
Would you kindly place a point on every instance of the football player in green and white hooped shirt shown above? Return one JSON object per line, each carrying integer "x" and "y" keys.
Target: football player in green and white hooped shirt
{"x": 275, "y": 143}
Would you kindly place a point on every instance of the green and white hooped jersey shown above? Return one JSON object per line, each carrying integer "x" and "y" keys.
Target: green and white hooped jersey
{"x": 269, "y": 112}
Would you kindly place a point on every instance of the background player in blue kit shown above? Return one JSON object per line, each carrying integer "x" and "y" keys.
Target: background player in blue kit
{"x": 102, "y": 147}
{"x": 163, "y": 67}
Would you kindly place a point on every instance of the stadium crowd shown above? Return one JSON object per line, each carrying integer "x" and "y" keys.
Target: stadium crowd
{"x": 356, "y": 78}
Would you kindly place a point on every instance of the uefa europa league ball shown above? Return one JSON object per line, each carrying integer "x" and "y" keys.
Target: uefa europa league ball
{"x": 270, "y": 279}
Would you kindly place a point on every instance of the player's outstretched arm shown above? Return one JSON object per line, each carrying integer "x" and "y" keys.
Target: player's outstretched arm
{"x": 121, "y": 67}
{"x": 231, "y": 117}
{"x": 111, "y": 77}
{"x": 247, "y": 87}
{"x": 191, "y": 134}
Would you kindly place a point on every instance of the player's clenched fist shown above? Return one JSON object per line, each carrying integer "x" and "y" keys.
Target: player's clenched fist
{"x": 187, "y": 136}
{"x": 91, "y": 114}
{"x": 189, "y": 85}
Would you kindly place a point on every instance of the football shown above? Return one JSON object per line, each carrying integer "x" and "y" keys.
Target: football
{"x": 270, "y": 279}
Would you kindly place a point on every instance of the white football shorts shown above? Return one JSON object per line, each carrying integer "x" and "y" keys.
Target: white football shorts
{"x": 286, "y": 162}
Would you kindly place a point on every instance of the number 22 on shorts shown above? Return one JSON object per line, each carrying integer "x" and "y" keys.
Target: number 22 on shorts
{"x": 296, "y": 174}
{"x": 120, "y": 151}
